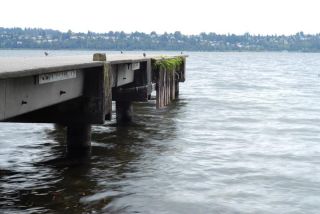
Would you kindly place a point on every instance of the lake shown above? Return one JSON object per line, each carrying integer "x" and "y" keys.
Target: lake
{"x": 244, "y": 137}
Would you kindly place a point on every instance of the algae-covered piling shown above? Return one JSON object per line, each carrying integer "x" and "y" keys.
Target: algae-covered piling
{"x": 168, "y": 72}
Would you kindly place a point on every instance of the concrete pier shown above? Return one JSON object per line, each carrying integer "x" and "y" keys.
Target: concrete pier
{"x": 77, "y": 91}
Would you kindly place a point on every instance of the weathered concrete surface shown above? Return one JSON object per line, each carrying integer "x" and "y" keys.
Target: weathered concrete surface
{"x": 12, "y": 67}
{"x": 22, "y": 95}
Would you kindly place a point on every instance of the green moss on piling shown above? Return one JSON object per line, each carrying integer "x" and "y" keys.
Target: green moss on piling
{"x": 170, "y": 64}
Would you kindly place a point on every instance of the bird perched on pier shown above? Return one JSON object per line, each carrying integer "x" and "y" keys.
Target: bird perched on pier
{"x": 144, "y": 54}
{"x": 46, "y": 53}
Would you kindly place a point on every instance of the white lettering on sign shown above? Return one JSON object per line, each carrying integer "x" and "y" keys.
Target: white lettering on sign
{"x": 54, "y": 77}
{"x": 135, "y": 66}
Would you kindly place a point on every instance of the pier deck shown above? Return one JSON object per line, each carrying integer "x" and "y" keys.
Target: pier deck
{"x": 12, "y": 67}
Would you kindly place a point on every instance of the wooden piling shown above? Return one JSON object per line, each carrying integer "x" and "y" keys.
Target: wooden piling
{"x": 173, "y": 92}
{"x": 107, "y": 85}
{"x": 166, "y": 87}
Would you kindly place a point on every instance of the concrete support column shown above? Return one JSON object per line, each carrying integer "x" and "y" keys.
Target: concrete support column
{"x": 124, "y": 111}
{"x": 78, "y": 139}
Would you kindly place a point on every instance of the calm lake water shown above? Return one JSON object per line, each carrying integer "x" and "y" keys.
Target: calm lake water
{"x": 244, "y": 137}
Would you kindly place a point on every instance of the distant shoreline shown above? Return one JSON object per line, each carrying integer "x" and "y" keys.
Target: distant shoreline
{"x": 47, "y": 39}
{"x": 124, "y": 51}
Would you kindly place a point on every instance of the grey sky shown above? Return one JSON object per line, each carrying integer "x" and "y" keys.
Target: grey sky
{"x": 187, "y": 16}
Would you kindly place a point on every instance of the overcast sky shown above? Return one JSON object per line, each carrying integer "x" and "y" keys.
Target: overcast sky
{"x": 187, "y": 16}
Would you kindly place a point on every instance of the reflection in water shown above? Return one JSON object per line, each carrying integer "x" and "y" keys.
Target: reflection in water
{"x": 243, "y": 138}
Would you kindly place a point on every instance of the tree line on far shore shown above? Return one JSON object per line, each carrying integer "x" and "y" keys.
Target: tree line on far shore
{"x": 37, "y": 38}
